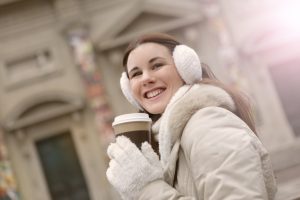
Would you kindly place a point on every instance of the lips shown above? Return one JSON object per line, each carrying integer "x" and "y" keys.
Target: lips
{"x": 153, "y": 93}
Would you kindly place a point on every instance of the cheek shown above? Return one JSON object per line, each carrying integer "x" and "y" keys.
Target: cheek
{"x": 177, "y": 82}
{"x": 134, "y": 88}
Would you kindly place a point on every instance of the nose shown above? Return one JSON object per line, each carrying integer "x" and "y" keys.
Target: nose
{"x": 148, "y": 79}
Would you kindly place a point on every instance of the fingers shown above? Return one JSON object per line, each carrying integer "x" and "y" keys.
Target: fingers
{"x": 109, "y": 150}
{"x": 123, "y": 150}
{"x": 129, "y": 148}
{"x": 125, "y": 143}
{"x": 149, "y": 153}
{"x": 115, "y": 149}
{"x": 114, "y": 152}
{"x": 116, "y": 175}
{"x": 112, "y": 173}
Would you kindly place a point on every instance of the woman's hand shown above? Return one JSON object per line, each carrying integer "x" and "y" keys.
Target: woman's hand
{"x": 131, "y": 169}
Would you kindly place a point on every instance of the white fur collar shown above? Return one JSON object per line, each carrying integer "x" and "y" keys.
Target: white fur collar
{"x": 186, "y": 101}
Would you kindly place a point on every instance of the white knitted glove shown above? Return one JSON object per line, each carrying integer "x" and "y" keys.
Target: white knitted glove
{"x": 131, "y": 169}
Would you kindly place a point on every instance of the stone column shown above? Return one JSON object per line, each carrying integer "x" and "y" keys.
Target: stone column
{"x": 227, "y": 52}
{"x": 95, "y": 92}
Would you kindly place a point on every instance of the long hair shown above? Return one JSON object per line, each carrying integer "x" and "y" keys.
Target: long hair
{"x": 242, "y": 104}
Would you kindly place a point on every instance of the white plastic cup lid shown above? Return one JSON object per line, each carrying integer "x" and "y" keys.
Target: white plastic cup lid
{"x": 131, "y": 117}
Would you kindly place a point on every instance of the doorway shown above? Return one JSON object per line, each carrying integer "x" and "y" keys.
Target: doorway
{"x": 61, "y": 168}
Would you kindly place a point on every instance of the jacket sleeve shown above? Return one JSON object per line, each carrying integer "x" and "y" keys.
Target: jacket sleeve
{"x": 223, "y": 157}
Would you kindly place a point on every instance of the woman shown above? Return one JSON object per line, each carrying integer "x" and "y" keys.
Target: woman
{"x": 207, "y": 140}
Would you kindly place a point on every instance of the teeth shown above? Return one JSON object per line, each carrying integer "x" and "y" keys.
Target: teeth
{"x": 153, "y": 93}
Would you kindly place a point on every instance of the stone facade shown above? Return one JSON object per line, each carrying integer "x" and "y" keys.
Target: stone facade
{"x": 45, "y": 96}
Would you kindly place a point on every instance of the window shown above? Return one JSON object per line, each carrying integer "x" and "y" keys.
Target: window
{"x": 23, "y": 67}
{"x": 62, "y": 168}
{"x": 27, "y": 66}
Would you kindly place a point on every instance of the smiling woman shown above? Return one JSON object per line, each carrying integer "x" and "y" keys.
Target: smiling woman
{"x": 208, "y": 147}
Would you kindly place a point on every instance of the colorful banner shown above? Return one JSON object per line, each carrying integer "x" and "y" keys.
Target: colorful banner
{"x": 8, "y": 186}
{"x": 95, "y": 91}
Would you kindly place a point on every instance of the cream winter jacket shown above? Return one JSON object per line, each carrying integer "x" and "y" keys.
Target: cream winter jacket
{"x": 218, "y": 157}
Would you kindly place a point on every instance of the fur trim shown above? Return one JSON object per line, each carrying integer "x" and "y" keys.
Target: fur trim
{"x": 187, "y": 101}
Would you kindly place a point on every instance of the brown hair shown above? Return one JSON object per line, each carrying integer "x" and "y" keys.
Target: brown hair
{"x": 242, "y": 104}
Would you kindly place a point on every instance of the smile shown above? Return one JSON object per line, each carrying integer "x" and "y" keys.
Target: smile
{"x": 153, "y": 93}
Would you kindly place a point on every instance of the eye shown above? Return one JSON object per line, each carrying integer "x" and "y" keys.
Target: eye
{"x": 135, "y": 74}
{"x": 157, "y": 65}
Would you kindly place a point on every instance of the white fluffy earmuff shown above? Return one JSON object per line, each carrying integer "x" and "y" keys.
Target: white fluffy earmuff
{"x": 187, "y": 63}
{"x": 125, "y": 87}
{"x": 188, "y": 66}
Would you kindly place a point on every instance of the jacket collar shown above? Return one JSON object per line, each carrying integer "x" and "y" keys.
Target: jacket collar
{"x": 186, "y": 101}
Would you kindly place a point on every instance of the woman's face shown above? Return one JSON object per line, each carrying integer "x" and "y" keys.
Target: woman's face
{"x": 153, "y": 76}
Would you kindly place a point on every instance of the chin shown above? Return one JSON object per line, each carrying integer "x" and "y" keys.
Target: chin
{"x": 155, "y": 111}
{"x": 155, "y": 108}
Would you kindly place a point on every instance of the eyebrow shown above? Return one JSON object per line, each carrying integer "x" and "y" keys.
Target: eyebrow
{"x": 154, "y": 59}
{"x": 133, "y": 69}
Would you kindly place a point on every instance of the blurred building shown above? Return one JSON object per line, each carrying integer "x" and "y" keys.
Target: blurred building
{"x": 60, "y": 63}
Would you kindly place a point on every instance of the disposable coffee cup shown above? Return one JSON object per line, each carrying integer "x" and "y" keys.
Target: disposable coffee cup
{"x": 135, "y": 126}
